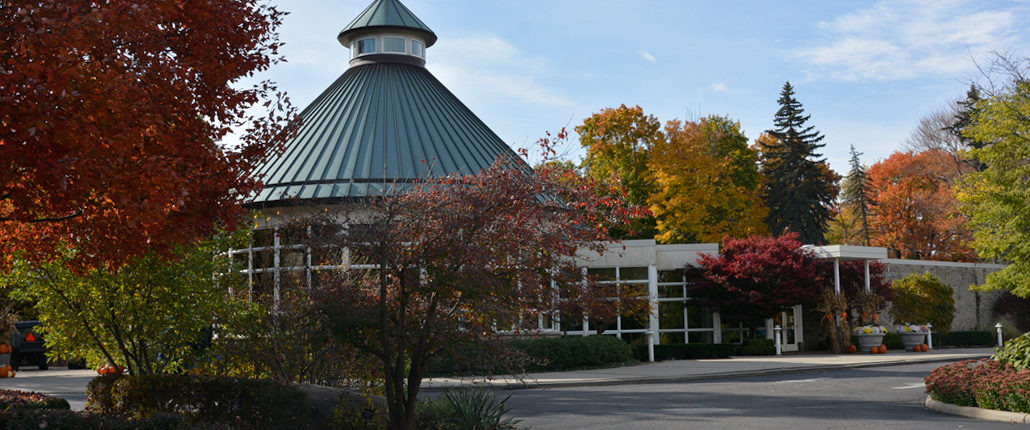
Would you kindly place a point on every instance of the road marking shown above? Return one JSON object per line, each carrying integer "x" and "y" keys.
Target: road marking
{"x": 910, "y": 386}
{"x": 792, "y": 381}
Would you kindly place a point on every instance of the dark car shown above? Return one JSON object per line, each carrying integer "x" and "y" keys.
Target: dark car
{"x": 27, "y": 344}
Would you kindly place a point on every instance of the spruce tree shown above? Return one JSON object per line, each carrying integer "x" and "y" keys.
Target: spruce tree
{"x": 964, "y": 114}
{"x": 856, "y": 193}
{"x": 799, "y": 186}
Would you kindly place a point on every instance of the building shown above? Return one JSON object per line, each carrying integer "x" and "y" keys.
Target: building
{"x": 387, "y": 122}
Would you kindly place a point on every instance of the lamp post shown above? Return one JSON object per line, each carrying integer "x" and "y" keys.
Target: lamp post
{"x": 929, "y": 336}
{"x": 1001, "y": 342}
{"x": 777, "y": 330}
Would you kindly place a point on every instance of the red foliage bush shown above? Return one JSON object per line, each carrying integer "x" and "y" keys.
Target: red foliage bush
{"x": 981, "y": 383}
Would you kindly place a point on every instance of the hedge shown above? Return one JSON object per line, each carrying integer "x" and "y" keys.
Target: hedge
{"x": 30, "y": 400}
{"x": 686, "y": 351}
{"x": 538, "y": 355}
{"x": 756, "y": 347}
{"x": 986, "y": 384}
{"x": 965, "y": 338}
{"x": 35, "y": 419}
{"x": 201, "y": 400}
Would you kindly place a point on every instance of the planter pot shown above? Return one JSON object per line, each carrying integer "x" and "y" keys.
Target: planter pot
{"x": 910, "y": 340}
{"x": 867, "y": 341}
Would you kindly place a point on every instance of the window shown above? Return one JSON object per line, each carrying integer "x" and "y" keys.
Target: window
{"x": 416, "y": 48}
{"x": 366, "y": 46}
{"x": 393, "y": 44}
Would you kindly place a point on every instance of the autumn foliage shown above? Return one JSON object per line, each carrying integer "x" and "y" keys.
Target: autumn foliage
{"x": 914, "y": 211}
{"x": 755, "y": 277}
{"x": 113, "y": 116}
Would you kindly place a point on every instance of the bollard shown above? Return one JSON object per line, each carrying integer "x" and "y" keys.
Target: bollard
{"x": 929, "y": 337}
{"x": 1001, "y": 342}
{"x": 777, "y": 330}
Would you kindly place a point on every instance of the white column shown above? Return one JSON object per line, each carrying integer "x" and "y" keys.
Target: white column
{"x": 867, "y": 288}
{"x": 836, "y": 275}
{"x": 778, "y": 339}
{"x": 652, "y": 302}
{"x": 717, "y": 322}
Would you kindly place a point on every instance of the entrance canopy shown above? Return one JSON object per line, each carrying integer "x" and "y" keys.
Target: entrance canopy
{"x": 848, "y": 252}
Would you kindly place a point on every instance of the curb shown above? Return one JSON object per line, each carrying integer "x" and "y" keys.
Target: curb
{"x": 978, "y": 413}
{"x": 689, "y": 378}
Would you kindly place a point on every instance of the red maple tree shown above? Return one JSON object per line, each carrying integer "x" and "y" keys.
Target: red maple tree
{"x": 113, "y": 116}
{"x": 755, "y": 277}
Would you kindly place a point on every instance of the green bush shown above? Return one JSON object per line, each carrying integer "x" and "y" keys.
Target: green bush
{"x": 464, "y": 409}
{"x": 965, "y": 338}
{"x": 202, "y": 400}
{"x": 687, "y": 351}
{"x": 35, "y": 419}
{"x": 1016, "y": 352}
{"x": 923, "y": 299}
{"x": 574, "y": 352}
{"x": 756, "y": 347}
{"x": 30, "y": 400}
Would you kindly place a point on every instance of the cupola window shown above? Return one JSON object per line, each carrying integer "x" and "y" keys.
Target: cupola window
{"x": 393, "y": 44}
{"x": 367, "y": 46}
{"x": 417, "y": 48}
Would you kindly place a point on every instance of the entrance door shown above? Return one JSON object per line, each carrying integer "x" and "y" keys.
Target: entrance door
{"x": 791, "y": 323}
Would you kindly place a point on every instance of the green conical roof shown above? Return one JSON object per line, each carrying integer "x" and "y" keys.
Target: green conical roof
{"x": 386, "y": 14}
{"x": 379, "y": 125}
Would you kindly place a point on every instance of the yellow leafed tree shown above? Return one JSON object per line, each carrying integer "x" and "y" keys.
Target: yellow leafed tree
{"x": 706, "y": 182}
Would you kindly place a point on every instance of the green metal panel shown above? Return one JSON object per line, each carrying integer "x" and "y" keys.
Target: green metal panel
{"x": 377, "y": 125}
{"x": 388, "y": 14}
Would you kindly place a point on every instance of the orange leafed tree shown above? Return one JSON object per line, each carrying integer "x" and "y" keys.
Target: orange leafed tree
{"x": 914, "y": 210}
{"x": 112, "y": 118}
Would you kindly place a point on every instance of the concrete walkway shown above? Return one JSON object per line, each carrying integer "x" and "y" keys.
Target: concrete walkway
{"x": 693, "y": 370}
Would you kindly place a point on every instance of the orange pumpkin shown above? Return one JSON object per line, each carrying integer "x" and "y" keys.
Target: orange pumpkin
{"x": 883, "y": 349}
{"x": 852, "y": 349}
{"x": 3, "y": 372}
{"x": 4, "y": 349}
{"x": 924, "y": 348}
{"x": 874, "y": 350}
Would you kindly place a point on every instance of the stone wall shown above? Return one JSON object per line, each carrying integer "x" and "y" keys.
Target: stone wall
{"x": 973, "y": 310}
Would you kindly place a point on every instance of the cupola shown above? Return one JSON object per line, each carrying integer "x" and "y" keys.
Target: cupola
{"x": 386, "y": 31}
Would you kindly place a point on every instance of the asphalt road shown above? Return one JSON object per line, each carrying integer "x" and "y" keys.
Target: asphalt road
{"x": 867, "y": 398}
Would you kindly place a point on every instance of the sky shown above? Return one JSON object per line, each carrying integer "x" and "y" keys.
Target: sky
{"x": 866, "y": 71}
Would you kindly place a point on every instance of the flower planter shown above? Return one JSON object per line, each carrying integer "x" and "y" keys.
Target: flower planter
{"x": 912, "y": 335}
{"x": 867, "y": 341}
{"x": 910, "y": 340}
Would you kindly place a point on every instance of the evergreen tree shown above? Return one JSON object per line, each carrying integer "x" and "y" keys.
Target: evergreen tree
{"x": 963, "y": 118}
{"x": 799, "y": 186}
{"x": 856, "y": 193}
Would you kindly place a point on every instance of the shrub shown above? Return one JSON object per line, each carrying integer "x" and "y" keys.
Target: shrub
{"x": 35, "y": 419}
{"x": 923, "y": 299}
{"x": 687, "y": 351}
{"x": 574, "y": 352}
{"x": 756, "y": 347}
{"x": 239, "y": 403}
{"x": 30, "y": 400}
{"x": 965, "y": 338}
{"x": 464, "y": 409}
{"x": 986, "y": 384}
{"x": 1016, "y": 352}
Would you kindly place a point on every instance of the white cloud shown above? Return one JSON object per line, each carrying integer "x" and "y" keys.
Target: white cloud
{"x": 488, "y": 66}
{"x": 719, "y": 87}
{"x": 647, "y": 56}
{"x": 901, "y": 39}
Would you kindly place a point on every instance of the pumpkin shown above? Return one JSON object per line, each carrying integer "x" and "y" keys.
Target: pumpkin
{"x": 12, "y": 373}
{"x": 874, "y": 350}
{"x": 924, "y": 348}
{"x": 883, "y": 349}
{"x": 4, "y": 349}
{"x": 3, "y": 372}
{"x": 852, "y": 349}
